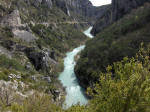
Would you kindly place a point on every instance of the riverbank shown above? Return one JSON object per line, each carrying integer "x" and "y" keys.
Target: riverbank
{"x": 61, "y": 89}
{"x": 75, "y": 94}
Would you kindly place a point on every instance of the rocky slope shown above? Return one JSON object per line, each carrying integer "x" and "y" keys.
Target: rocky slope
{"x": 117, "y": 10}
{"x": 76, "y": 9}
{"x": 34, "y": 37}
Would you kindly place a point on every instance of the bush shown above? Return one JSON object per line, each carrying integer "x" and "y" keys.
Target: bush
{"x": 10, "y": 63}
{"x": 40, "y": 103}
{"x": 3, "y": 76}
{"x": 126, "y": 89}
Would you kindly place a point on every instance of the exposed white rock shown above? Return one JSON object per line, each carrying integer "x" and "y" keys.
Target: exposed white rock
{"x": 12, "y": 19}
{"x": 24, "y": 35}
{"x": 68, "y": 13}
{"x": 14, "y": 88}
{"x": 14, "y": 76}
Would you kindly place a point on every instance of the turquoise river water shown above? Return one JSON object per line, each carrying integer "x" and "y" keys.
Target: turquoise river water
{"x": 68, "y": 78}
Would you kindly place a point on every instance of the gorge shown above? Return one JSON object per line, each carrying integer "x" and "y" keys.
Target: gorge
{"x": 48, "y": 61}
{"x": 75, "y": 93}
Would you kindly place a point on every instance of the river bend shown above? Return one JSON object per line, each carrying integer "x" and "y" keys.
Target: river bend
{"x": 69, "y": 80}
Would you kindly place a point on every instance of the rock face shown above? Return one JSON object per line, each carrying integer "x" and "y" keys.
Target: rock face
{"x": 80, "y": 7}
{"x": 122, "y": 7}
{"x": 71, "y": 7}
{"x": 117, "y": 10}
{"x": 103, "y": 21}
{"x": 24, "y": 35}
{"x": 12, "y": 19}
{"x": 41, "y": 60}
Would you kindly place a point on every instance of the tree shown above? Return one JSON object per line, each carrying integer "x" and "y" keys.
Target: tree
{"x": 125, "y": 87}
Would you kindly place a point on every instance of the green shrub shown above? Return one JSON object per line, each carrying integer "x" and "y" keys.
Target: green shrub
{"x": 128, "y": 90}
{"x": 40, "y": 103}
{"x": 10, "y": 63}
{"x": 3, "y": 76}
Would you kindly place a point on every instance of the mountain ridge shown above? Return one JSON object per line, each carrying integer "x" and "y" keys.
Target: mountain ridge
{"x": 117, "y": 10}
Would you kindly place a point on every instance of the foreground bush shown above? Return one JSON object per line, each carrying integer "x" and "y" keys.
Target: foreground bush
{"x": 125, "y": 87}
{"x": 36, "y": 103}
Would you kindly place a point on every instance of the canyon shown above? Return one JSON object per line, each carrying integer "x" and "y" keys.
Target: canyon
{"x": 50, "y": 62}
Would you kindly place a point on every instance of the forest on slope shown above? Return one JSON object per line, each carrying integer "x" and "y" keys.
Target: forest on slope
{"x": 121, "y": 39}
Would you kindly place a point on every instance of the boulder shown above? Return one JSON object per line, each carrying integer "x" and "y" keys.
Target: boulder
{"x": 24, "y": 35}
{"x": 41, "y": 60}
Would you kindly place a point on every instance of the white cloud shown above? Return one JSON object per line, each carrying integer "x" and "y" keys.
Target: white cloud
{"x": 100, "y": 2}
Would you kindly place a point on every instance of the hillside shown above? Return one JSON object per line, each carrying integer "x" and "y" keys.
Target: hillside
{"x": 114, "y": 12}
{"x": 34, "y": 37}
{"x": 41, "y": 40}
{"x": 123, "y": 38}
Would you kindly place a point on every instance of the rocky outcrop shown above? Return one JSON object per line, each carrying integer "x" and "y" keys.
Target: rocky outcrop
{"x": 118, "y": 9}
{"x": 41, "y": 60}
{"x": 9, "y": 90}
{"x": 12, "y": 20}
{"x": 24, "y": 35}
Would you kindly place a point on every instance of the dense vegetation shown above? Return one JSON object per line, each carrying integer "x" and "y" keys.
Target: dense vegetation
{"x": 60, "y": 39}
{"x": 127, "y": 91}
{"x": 121, "y": 39}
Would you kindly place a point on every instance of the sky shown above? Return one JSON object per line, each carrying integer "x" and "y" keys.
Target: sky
{"x": 100, "y": 2}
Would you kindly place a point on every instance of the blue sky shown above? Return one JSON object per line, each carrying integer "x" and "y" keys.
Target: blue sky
{"x": 100, "y": 2}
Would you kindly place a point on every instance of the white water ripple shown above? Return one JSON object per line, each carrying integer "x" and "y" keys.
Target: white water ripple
{"x": 68, "y": 78}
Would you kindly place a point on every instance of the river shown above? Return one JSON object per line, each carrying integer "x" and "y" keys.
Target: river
{"x": 68, "y": 78}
